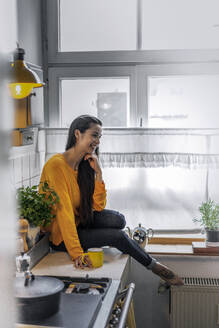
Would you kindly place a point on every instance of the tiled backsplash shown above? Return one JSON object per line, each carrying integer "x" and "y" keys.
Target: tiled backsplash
{"x": 24, "y": 161}
{"x": 25, "y": 169}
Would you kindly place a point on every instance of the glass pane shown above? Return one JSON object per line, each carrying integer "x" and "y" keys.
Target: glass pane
{"x": 106, "y": 98}
{"x": 97, "y": 25}
{"x": 184, "y": 102}
{"x": 177, "y": 24}
{"x": 159, "y": 198}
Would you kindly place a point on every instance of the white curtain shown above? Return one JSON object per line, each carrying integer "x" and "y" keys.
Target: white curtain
{"x": 148, "y": 172}
{"x": 139, "y": 147}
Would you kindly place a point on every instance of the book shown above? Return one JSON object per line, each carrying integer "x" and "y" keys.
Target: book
{"x": 203, "y": 248}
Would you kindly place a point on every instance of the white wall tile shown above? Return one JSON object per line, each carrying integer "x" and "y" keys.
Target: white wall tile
{"x": 26, "y": 183}
{"x": 34, "y": 164}
{"x": 17, "y": 170}
{"x": 37, "y": 162}
{"x": 35, "y": 180}
{"x": 11, "y": 167}
{"x": 18, "y": 185}
{"x": 55, "y": 143}
{"x": 25, "y": 167}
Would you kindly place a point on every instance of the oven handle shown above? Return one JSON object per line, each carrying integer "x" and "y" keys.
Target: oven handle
{"x": 129, "y": 292}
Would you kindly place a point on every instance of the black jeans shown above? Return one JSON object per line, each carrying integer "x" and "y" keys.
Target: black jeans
{"x": 106, "y": 230}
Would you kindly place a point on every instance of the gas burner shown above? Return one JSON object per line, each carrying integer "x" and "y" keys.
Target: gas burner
{"x": 89, "y": 286}
{"x": 83, "y": 288}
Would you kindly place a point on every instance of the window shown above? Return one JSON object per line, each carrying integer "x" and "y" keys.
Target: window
{"x": 106, "y": 98}
{"x": 149, "y": 64}
{"x": 176, "y": 24}
{"x": 107, "y": 92}
{"x": 97, "y": 25}
{"x": 183, "y": 101}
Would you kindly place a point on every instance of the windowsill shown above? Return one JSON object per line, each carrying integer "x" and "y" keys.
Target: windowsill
{"x": 177, "y": 245}
{"x": 170, "y": 249}
{"x": 175, "y": 250}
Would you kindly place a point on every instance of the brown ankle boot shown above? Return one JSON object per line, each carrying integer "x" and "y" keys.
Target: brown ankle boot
{"x": 167, "y": 275}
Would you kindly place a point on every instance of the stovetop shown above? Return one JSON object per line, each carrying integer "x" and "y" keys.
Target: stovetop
{"x": 85, "y": 286}
{"x": 81, "y": 300}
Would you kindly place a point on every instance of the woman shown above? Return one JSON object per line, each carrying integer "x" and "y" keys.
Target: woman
{"x": 81, "y": 221}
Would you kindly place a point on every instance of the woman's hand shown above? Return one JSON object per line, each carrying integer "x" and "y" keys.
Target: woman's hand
{"x": 94, "y": 163}
{"x": 82, "y": 261}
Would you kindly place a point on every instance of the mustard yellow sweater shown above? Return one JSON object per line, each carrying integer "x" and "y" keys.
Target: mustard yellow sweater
{"x": 63, "y": 179}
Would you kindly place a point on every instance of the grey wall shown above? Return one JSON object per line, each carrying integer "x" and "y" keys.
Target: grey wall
{"x": 29, "y": 23}
{"x": 151, "y": 309}
{"x": 24, "y": 164}
{"x": 29, "y": 29}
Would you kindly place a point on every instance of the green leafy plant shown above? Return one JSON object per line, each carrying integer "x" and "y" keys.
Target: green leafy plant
{"x": 37, "y": 207}
{"x": 209, "y": 215}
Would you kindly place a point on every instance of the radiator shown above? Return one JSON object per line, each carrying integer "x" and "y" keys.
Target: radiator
{"x": 196, "y": 304}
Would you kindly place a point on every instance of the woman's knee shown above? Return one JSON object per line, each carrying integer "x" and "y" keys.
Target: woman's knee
{"x": 109, "y": 219}
{"x": 122, "y": 221}
{"x": 118, "y": 219}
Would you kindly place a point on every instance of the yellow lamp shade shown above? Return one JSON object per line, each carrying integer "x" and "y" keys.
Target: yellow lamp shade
{"x": 22, "y": 78}
{"x": 22, "y": 90}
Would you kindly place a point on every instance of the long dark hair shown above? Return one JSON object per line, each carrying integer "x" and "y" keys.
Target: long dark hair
{"x": 86, "y": 174}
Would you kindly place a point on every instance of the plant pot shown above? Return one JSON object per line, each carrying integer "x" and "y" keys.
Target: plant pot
{"x": 212, "y": 237}
{"x": 33, "y": 235}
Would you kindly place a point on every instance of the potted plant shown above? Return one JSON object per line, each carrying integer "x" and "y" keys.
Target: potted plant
{"x": 37, "y": 207}
{"x": 210, "y": 221}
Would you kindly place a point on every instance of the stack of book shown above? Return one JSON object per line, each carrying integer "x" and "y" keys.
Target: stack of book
{"x": 205, "y": 248}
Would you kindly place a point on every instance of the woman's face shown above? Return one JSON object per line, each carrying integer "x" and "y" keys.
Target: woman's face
{"x": 90, "y": 139}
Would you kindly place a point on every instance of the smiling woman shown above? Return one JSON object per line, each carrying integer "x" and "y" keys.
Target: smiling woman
{"x": 81, "y": 221}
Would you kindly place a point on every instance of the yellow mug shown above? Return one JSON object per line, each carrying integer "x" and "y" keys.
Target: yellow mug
{"x": 96, "y": 256}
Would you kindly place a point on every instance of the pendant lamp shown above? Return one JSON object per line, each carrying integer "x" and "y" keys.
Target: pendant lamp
{"x": 22, "y": 78}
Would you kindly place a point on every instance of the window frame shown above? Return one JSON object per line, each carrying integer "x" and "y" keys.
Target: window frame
{"x": 144, "y": 72}
{"x": 137, "y": 64}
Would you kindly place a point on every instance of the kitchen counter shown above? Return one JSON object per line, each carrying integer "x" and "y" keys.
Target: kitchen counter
{"x": 115, "y": 266}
